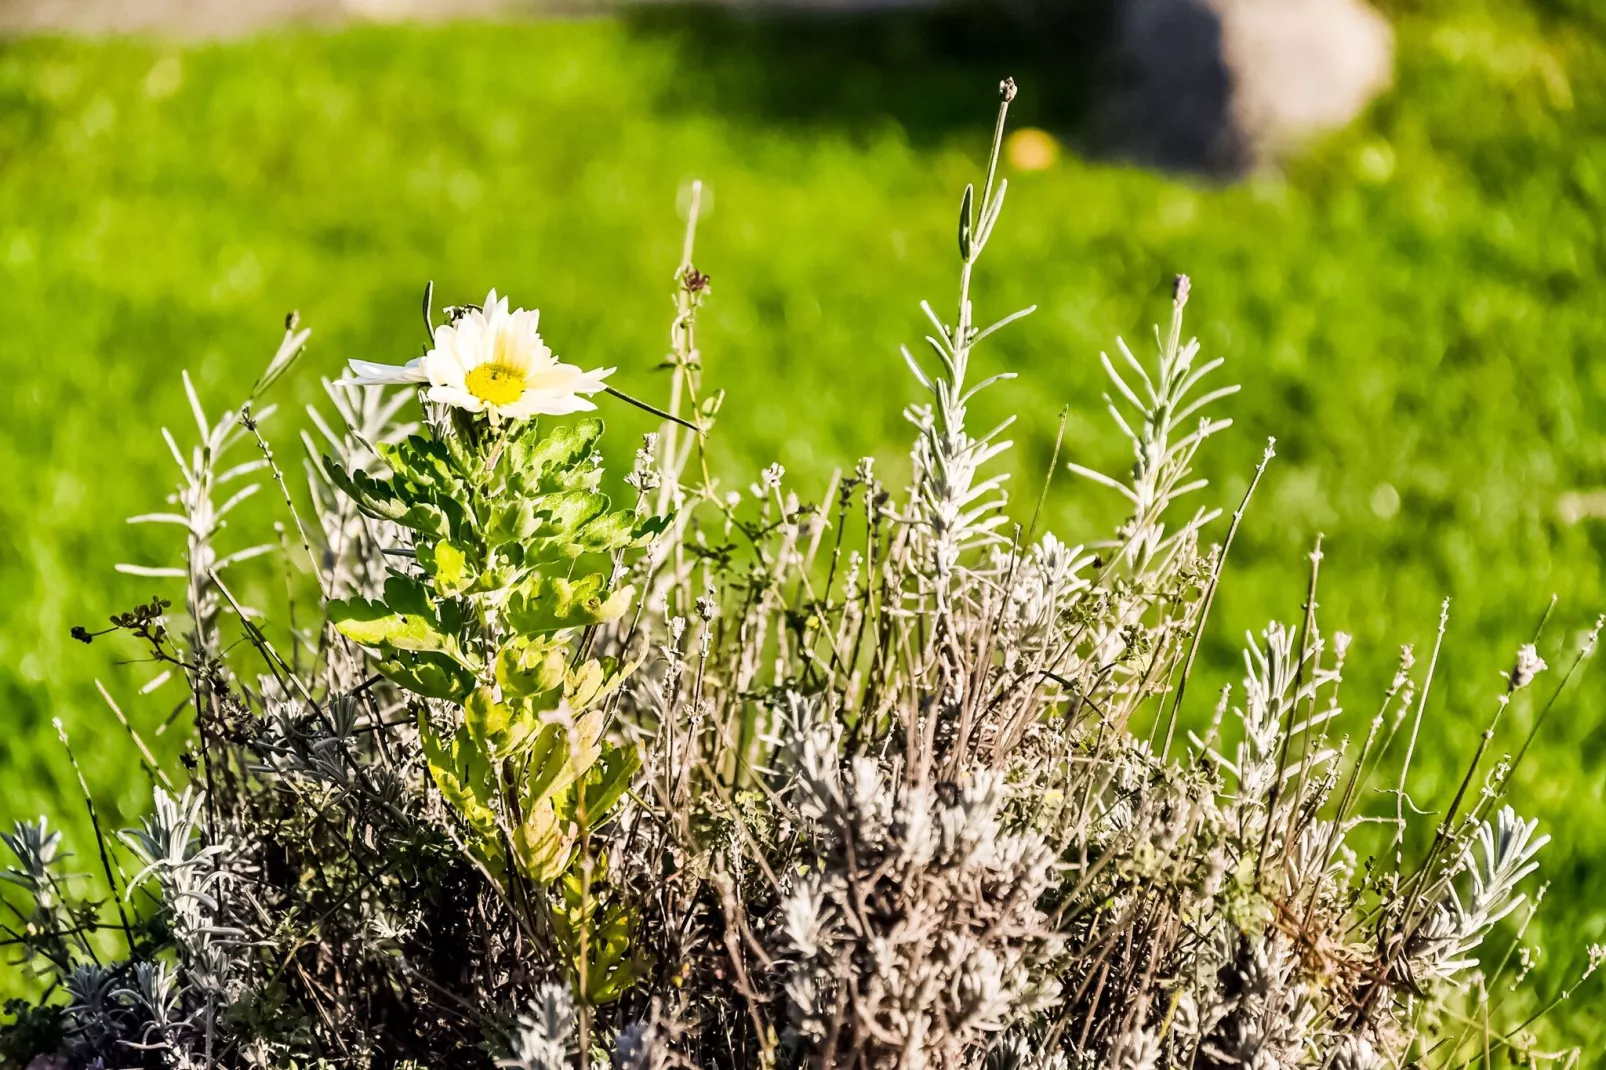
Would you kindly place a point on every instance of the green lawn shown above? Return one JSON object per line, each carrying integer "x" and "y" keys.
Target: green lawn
{"x": 1415, "y": 309}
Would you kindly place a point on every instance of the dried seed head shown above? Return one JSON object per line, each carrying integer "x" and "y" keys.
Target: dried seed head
{"x": 1529, "y": 664}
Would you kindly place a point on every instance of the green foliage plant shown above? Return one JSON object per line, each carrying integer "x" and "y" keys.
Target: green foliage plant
{"x": 515, "y": 558}
{"x": 489, "y": 629}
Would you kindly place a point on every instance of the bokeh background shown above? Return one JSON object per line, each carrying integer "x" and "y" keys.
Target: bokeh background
{"x": 1412, "y": 300}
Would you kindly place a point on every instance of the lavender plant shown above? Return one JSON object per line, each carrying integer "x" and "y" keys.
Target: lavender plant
{"x": 726, "y": 779}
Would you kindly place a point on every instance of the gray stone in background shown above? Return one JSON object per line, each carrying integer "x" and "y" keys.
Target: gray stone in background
{"x": 1304, "y": 66}
{"x": 1223, "y": 86}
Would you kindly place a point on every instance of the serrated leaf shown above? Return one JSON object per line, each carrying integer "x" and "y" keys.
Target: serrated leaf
{"x": 606, "y": 533}
{"x": 501, "y": 728}
{"x": 467, "y": 782}
{"x": 530, "y": 669}
{"x": 406, "y": 594}
{"x": 449, "y": 566}
{"x": 422, "y": 460}
{"x": 548, "y": 604}
{"x": 376, "y": 624}
{"x": 385, "y": 500}
{"x": 512, "y": 521}
{"x": 372, "y": 496}
{"x": 614, "y": 967}
{"x": 555, "y": 461}
{"x": 563, "y": 515}
{"x": 598, "y": 933}
{"x": 546, "y": 767}
{"x": 485, "y": 718}
{"x": 609, "y": 780}
{"x": 542, "y": 842}
{"x": 595, "y": 679}
{"x": 648, "y": 528}
{"x": 426, "y": 518}
{"x": 583, "y": 684}
{"x": 405, "y": 619}
{"x": 431, "y": 675}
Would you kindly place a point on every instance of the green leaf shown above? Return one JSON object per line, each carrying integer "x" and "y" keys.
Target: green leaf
{"x": 461, "y": 771}
{"x": 606, "y": 533}
{"x": 603, "y": 535}
{"x": 449, "y": 566}
{"x": 542, "y": 842}
{"x": 404, "y": 620}
{"x": 431, "y": 675}
{"x": 501, "y": 728}
{"x": 467, "y": 782}
{"x": 583, "y": 683}
{"x": 372, "y": 496}
{"x": 965, "y": 214}
{"x": 407, "y": 594}
{"x": 613, "y": 967}
{"x": 561, "y": 754}
{"x": 597, "y": 932}
{"x": 649, "y": 528}
{"x": 609, "y": 780}
{"x": 418, "y": 508}
{"x": 421, "y": 460}
{"x": 427, "y": 518}
{"x": 527, "y": 669}
{"x": 593, "y": 680}
{"x": 411, "y": 507}
{"x": 485, "y": 718}
{"x": 376, "y": 624}
{"x": 564, "y": 514}
{"x": 558, "y": 461}
{"x": 546, "y": 769}
{"x": 608, "y": 985}
{"x": 611, "y": 531}
{"x": 549, "y": 604}
{"x": 512, "y": 521}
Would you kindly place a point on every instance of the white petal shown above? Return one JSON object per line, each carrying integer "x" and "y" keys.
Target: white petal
{"x": 519, "y": 409}
{"x": 370, "y": 373}
{"x": 494, "y": 310}
{"x": 442, "y": 368}
{"x": 546, "y": 403}
{"x": 449, "y": 395}
{"x": 519, "y": 351}
{"x": 477, "y": 345}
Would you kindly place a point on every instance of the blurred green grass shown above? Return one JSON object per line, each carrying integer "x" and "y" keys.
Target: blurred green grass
{"x": 1415, "y": 309}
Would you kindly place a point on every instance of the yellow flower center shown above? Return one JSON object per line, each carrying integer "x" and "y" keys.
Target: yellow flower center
{"x": 495, "y": 384}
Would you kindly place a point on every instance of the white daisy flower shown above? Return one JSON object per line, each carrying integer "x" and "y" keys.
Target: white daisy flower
{"x": 491, "y": 360}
